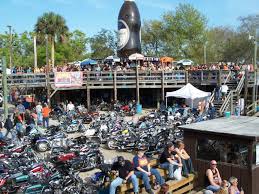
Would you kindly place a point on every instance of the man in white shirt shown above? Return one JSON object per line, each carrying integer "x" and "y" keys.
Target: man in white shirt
{"x": 70, "y": 107}
{"x": 38, "y": 109}
{"x": 224, "y": 91}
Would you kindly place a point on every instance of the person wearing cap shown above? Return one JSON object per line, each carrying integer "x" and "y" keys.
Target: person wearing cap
{"x": 213, "y": 179}
{"x": 170, "y": 161}
{"x": 144, "y": 171}
{"x": 126, "y": 173}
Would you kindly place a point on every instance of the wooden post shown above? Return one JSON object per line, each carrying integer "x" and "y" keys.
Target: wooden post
{"x": 246, "y": 92}
{"x": 137, "y": 83}
{"x": 88, "y": 93}
{"x": 231, "y": 103}
{"x": 115, "y": 85}
{"x": 4, "y": 84}
{"x": 186, "y": 77}
{"x": 254, "y": 91}
{"x": 163, "y": 85}
{"x": 219, "y": 78}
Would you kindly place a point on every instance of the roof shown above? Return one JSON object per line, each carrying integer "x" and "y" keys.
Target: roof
{"x": 243, "y": 126}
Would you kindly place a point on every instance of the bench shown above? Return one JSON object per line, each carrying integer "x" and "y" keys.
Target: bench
{"x": 177, "y": 187}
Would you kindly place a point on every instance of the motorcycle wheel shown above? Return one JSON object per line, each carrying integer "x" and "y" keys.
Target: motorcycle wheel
{"x": 111, "y": 144}
{"x": 42, "y": 147}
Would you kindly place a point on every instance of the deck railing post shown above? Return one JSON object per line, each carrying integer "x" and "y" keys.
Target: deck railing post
{"x": 137, "y": 83}
{"x": 88, "y": 92}
{"x": 162, "y": 85}
{"x": 115, "y": 85}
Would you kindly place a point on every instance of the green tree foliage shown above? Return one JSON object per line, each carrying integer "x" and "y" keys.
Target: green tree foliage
{"x": 180, "y": 34}
{"x": 53, "y": 25}
{"x": 103, "y": 44}
{"x": 152, "y": 43}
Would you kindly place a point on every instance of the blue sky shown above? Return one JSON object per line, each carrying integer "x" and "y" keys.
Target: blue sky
{"x": 92, "y": 15}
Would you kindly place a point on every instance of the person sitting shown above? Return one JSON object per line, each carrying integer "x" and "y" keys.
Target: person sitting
{"x": 170, "y": 161}
{"x": 186, "y": 159}
{"x": 144, "y": 171}
{"x": 224, "y": 187}
{"x": 233, "y": 189}
{"x": 126, "y": 172}
{"x": 213, "y": 179}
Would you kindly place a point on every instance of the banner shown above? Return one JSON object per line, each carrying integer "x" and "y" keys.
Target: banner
{"x": 68, "y": 79}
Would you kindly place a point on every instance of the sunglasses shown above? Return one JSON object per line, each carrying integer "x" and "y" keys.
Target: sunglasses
{"x": 214, "y": 164}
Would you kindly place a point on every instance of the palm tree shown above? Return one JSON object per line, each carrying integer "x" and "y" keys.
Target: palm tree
{"x": 53, "y": 25}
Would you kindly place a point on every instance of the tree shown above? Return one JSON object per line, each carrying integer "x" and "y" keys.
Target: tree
{"x": 217, "y": 38}
{"x": 78, "y": 43}
{"x": 184, "y": 32}
{"x": 103, "y": 44}
{"x": 151, "y": 34}
{"x": 53, "y": 25}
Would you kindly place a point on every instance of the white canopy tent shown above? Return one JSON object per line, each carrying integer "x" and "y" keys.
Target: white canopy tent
{"x": 189, "y": 92}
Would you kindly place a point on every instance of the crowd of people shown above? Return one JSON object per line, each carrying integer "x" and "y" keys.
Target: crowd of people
{"x": 178, "y": 163}
{"x": 128, "y": 66}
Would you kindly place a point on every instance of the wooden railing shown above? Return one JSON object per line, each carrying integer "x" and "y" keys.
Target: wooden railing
{"x": 208, "y": 77}
{"x": 199, "y": 77}
{"x": 228, "y": 102}
{"x": 251, "y": 109}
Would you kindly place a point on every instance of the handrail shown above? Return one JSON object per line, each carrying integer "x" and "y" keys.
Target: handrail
{"x": 240, "y": 85}
{"x": 251, "y": 108}
{"x": 229, "y": 74}
{"x": 226, "y": 102}
{"x": 212, "y": 97}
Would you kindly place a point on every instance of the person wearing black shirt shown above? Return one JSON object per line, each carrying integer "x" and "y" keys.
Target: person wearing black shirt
{"x": 8, "y": 125}
{"x": 172, "y": 162}
{"x": 126, "y": 172}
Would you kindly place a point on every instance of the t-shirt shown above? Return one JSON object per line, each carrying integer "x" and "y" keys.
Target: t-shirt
{"x": 164, "y": 156}
{"x": 21, "y": 108}
{"x": 140, "y": 162}
{"x": 38, "y": 108}
{"x": 45, "y": 112}
{"x": 224, "y": 88}
{"x": 70, "y": 107}
{"x": 123, "y": 170}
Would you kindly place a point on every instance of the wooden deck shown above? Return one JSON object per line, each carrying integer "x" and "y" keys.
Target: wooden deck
{"x": 109, "y": 80}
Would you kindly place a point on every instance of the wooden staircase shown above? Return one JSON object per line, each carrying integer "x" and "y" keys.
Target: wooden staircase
{"x": 232, "y": 96}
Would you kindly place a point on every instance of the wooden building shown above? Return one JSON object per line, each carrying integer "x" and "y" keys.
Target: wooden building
{"x": 232, "y": 142}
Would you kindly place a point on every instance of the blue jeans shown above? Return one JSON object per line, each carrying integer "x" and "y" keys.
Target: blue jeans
{"x": 146, "y": 179}
{"x": 171, "y": 169}
{"x": 18, "y": 127}
{"x": 118, "y": 181}
{"x": 46, "y": 122}
{"x": 39, "y": 117}
{"x": 213, "y": 188}
{"x": 187, "y": 166}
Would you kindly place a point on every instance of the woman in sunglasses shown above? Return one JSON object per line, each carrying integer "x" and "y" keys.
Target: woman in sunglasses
{"x": 213, "y": 178}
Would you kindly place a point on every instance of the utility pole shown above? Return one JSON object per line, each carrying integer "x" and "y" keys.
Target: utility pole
{"x": 4, "y": 82}
{"x": 47, "y": 70}
{"x": 10, "y": 47}
{"x": 35, "y": 52}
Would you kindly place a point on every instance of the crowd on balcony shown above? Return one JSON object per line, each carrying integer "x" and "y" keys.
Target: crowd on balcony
{"x": 145, "y": 66}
